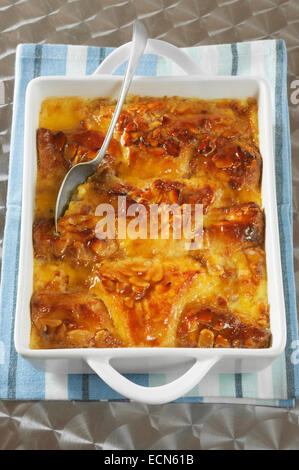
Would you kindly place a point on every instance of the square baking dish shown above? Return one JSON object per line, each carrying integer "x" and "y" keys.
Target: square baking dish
{"x": 110, "y": 363}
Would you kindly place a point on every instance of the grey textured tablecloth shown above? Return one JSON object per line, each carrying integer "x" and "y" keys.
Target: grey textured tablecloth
{"x": 40, "y": 425}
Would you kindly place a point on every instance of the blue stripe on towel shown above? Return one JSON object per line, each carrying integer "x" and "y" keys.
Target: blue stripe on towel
{"x": 284, "y": 192}
{"x": 234, "y": 71}
{"x": 91, "y": 387}
{"x": 238, "y": 386}
{"x": 48, "y": 59}
{"x": 95, "y": 56}
{"x": 43, "y": 65}
{"x": 9, "y": 361}
{"x": 234, "y": 59}
{"x": 99, "y": 390}
{"x": 11, "y": 234}
{"x": 146, "y": 67}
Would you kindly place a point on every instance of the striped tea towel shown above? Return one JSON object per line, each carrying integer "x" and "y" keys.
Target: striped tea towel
{"x": 277, "y": 385}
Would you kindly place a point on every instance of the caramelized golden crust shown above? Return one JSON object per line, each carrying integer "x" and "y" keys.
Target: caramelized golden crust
{"x": 207, "y": 327}
{"x": 72, "y": 320}
{"x": 120, "y": 292}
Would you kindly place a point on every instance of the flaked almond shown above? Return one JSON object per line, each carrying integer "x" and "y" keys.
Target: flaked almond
{"x": 173, "y": 196}
{"x": 139, "y": 282}
{"x": 79, "y": 337}
{"x": 122, "y": 288}
{"x": 104, "y": 248}
{"x": 206, "y": 145}
{"x": 206, "y": 339}
{"x": 59, "y": 140}
{"x": 129, "y": 302}
{"x": 131, "y": 127}
{"x": 52, "y": 322}
{"x": 70, "y": 151}
{"x": 60, "y": 245}
{"x": 139, "y": 308}
{"x": 156, "y": 151}
{"x": 146, "y": 307}
{"x": 157, "y": 273}
{"x": 161, "y": 287}
{"x": 221, "y": 342}
{"x": 223, "y": 161}
{"x": 172, "y": 147}
{"x": 109, "y": 285}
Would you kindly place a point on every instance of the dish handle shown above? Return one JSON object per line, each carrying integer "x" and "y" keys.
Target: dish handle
{"x": 152, "y": 395}
{"x": 182, "y": 385}
{"x": 154, "y": 46}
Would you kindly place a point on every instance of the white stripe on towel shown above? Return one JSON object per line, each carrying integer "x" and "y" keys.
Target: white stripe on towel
{"x": 257, "y": 65}
{"x": 56, "y": 386}
{"x": 76, "y": 60}
{"x": 265, "y": 383}
{"x": 209, "y": 60}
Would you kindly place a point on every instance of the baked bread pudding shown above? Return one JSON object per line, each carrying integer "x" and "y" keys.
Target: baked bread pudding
{"x": 92, "y": 291}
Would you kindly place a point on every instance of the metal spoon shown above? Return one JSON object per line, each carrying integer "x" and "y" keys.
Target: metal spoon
{"x": 80, "y": 172}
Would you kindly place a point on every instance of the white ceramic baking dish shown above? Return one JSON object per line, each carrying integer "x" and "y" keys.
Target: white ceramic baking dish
{"x": 109, "y": 364}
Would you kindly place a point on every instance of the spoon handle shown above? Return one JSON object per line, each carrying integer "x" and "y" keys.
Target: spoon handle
{"x": 138, "y": 45}
{"x": 80, "y": 172}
